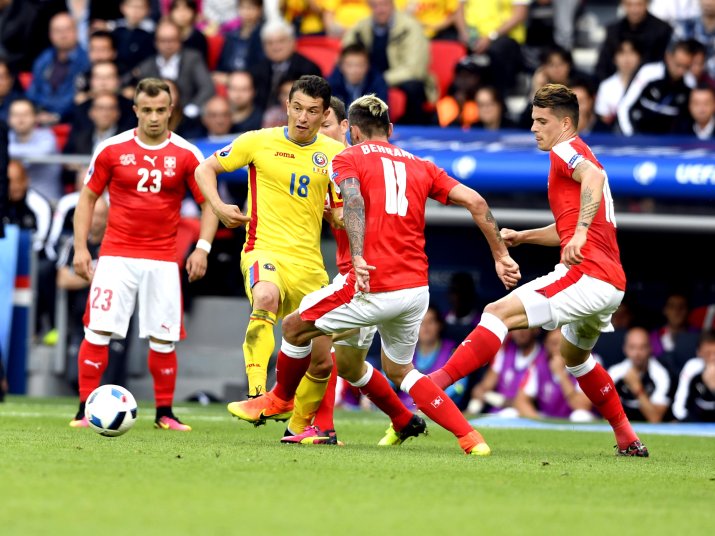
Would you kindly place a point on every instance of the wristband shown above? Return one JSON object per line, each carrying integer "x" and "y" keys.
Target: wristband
{"x": 204, "y": 244}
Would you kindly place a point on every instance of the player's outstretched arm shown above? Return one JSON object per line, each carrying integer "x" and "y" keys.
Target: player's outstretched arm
{"x": 354, "y": 218}
{"x": 543, "y": 236}
{"x": 592, "y": 180}
{"x": 82, "y": 261}
{"x": 206, "y": 173}
{"x": 197, "y": 262}
{"x": 507, "y": 269}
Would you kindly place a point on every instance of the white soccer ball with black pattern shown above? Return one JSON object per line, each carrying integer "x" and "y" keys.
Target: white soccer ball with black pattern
{"x": 111, "y": 410}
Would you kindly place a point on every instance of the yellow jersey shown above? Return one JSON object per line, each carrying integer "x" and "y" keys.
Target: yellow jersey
{"x": 287, "y": 185}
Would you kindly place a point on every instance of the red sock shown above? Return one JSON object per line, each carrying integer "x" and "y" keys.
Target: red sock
{"x": 163, "y": 369}
{"x": 92, "y": 360}
{"x": 598, "y": 387}
{"x": 379, "y": 391}
{"x": 478, "y": 349}
{"x": 289, "y": 372}
{"x": 435, "y": 403}
{"x": 324, "y": 417}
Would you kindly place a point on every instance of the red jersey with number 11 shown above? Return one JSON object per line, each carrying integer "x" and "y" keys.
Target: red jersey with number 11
{"x": 395, "y": 185}
{"x": 147, "y": 184}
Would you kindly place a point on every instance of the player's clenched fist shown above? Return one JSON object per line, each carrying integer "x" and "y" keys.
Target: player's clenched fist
{"x": 82, "y": 264}
{"x": 230, "y": 215}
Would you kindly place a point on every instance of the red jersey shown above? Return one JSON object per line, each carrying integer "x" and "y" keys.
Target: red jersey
{"x": 343, "y": 259}
{"x": 602, "y": 258}
{"x": 395, "y": 185}
{"x": 147, "y": 184}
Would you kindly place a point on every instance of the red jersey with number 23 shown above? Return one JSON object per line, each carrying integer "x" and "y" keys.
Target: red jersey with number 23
{"x": 395, "y": 185}
{"x": 602, "y": 258}
{"x": 147, "y": 184}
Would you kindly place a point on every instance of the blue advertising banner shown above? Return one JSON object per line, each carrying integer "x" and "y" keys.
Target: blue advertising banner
{"x": 508, "y": 161}
{"x": 8, "y": 265}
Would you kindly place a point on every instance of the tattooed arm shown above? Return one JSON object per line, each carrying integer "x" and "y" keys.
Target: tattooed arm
{"x": 354, "y": 220}
{"x": 592, "y": 180}
{"x": 507, "y": 269}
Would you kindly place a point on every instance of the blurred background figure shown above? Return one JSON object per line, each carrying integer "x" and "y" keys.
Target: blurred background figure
{"x": 588, "y": 120}
{"x": 216, "y": 118}
{"x": 492, "y": 110}
{"x": 643, "y": 384}
{"x": 184, "y": 13}
{"x": 133, "y": 35}
{"x": 354, "y": 77}
{"x": 695, "y": 397}
{"x": 9, "y": 89}
{"x": 241, "y": 99}
{"x": 700, "y": 121}
{"x": 464, "y": 307}
{"x": 548, "y": 391}
{"x": 242, "y": 47}
{"x": 627, "y": 60}
{"x": 458, "y": 107}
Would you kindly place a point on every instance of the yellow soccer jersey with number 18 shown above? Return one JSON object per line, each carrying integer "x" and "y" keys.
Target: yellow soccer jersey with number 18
{"x": 287, "y": 184}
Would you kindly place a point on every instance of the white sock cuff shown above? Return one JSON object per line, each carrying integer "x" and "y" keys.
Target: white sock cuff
{"x": 584, "y": 368}
{"x": 495, "y": 325}
{"x": 362, "y": 382}
{"x": 296, "y": 352}
{"x": 410, "y": 380}
{"x": 96, "y": 338}
{"x": 162, "y": 347}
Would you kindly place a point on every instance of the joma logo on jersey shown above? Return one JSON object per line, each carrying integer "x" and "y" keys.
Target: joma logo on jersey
{"x": 284, "y": 155}
{"x": 320, "y": 160}
{"x": 128, "y": 159}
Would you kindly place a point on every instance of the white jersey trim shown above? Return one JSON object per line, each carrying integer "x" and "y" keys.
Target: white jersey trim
{"x": 566, "y": 152}
{"x": 114, "y": 140}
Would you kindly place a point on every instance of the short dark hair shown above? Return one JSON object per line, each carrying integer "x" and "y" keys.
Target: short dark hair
{"x": 688, "y": 46}
{"x": 338, "y": 107}
{"x": 103, "y": 34}
{"x": 558, "y": 98}
{"x": 312, "y": 86}
{"x": 355, "y": 48}
{"x": 152, "y": 87}
{"x": 370, "y": 114}
{"x": 191, "y": 4}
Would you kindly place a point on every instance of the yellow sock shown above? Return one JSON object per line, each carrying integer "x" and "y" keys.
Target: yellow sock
{"x": 258, "y": 348}
{"x": 307, "y": 400}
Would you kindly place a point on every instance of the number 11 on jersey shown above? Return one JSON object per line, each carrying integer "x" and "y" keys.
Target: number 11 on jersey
{"x": 395, "y": 185}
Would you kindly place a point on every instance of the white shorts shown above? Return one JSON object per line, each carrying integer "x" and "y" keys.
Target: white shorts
{"x": 581, "y": 304}
{"x": 397, "y": 314}
{"x": 361, "y": 340}
{"x": 117, "y": 282}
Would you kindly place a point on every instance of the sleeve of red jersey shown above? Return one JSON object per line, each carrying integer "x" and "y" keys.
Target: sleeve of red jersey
{"x": 343, "y": 167}
{"x": 442, "y": 184}
{"x": 192, "y": 161}
{"x": 567, "y": 157}
{"x": 99, "y": 170}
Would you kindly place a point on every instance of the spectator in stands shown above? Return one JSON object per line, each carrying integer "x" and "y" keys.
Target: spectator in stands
{"x": 650, "y": 34}
{"x": 610, "y": 344}
{"x": 675, "y": 311}
{"x": 701, "y": 114}
{"x": 101, "y": 48}
{"x": 588, "y": 121}
{"x": 340, "y": 15}
{"x": 458, "y": 107}
{"x": 281, "y": 62}
{"x": 354, "y": 77}
{"x": 179, "y": 122}
{"x": 134, "y": 35}
{"x": 433, "y": 351}
{"x": 184, "y": 66}
{"x": 674, "y": 11}
{"x": 464, "y": 307}
{"x": 79, "y": 10}
{"x": 658, "y": 96}
{"x": 699, "y": 66}
{"x": 549, "y": 391}
{"x": 702, "y": 29}
{"x": 23, "y": 31}
{"x": 277, "y": 115}
{"x": 242, "y": 47}
{"x": 403, "y": 61}
{"x": 27, "y": 139}
{"x": 216, "y": 118}
{"x": 501, "y": 382}
{"x": 184, "y": 13}
{"x": 9, "y": 89}
{"x": 55, "y": 71}
{"x": 219, "y": 16}
{"x": 642, "y": 382}
{"x": 62, "y": 226}
{"x": 492, "y": 110}
{"x": 627, "y": 60}
{"x": 438, "y": 18}
{"x": 495, "y": 28}
{"x": 104, "y": 117}
{"x": 31, "y": 210}
{"x": 241, "y": 97}
{"x": 104, "y": 78}
{"x": 695, "y": 396}
{"x": 305, "y": 15}
{"x": 551, "y": 23}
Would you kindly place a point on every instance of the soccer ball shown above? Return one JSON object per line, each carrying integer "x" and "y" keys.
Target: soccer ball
{"x": 111, "y": 410}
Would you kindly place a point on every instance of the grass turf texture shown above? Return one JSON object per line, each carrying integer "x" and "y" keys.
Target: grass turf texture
{"x": 227, "y": 477}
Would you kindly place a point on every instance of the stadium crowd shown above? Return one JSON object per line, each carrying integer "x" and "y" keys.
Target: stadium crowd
{"x": 68, "y": 71}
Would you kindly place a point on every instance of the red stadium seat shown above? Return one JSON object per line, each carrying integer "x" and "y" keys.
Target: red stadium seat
{"x": 25, "y": 79}
{"x": 322, "y": 50}
{"x": 444, "y": 56}
{"x": 215, "y": 44}
{"x": 62, "y": 134}
{"x": 397, "y": 101}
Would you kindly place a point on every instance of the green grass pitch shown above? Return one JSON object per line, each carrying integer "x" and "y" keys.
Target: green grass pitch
{"x": 227, "y": 478}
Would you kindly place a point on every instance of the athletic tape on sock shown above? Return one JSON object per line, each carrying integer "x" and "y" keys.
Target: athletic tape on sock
{"x": 495, "y": 325}
{"x": 96, "y": 338}
{"x": 584, "y": 368}
{"x": 410, "y": 380}
{"x": 296, "y": 352}
{"x": 362, "y": 382}
{"x": 162, "y": 347}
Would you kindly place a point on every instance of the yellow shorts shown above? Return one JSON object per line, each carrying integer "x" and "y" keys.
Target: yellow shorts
{"x": 294, "y": 282}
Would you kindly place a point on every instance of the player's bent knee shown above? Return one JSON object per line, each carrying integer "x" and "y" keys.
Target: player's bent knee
{"x": 162, "y": 347}
{"x": 266, "y": 296}
{"x": 98, "y": 338}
